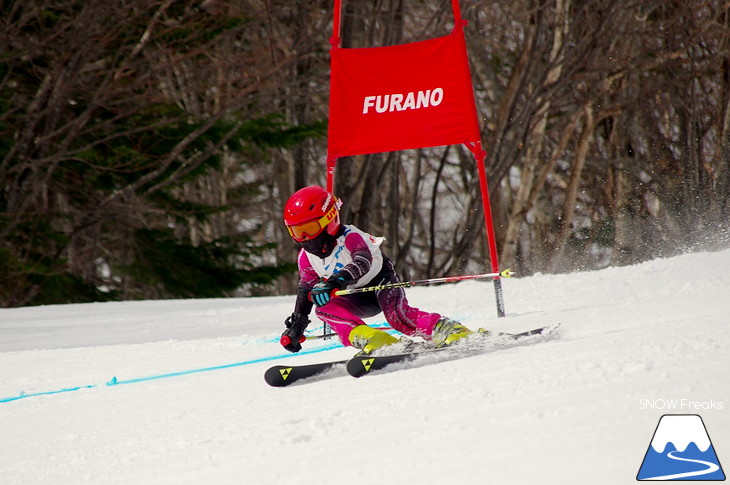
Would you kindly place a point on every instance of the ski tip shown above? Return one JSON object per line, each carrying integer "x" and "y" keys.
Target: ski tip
{"x": 277, "y": 376}
{"x": 359, "y": 366}
{"x": 547, "y": 331}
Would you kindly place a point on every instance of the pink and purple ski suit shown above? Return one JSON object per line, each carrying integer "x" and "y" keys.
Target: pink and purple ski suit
{"x": 357, "y": 257}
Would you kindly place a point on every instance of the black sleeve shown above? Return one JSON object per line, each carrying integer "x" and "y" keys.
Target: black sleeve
{"x": 303, "y": 304}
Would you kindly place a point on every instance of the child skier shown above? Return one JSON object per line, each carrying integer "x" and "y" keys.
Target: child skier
{"x": 335, "y": 257}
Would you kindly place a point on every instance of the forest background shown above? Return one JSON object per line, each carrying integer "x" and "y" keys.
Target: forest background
{"x": 147, "y": 146}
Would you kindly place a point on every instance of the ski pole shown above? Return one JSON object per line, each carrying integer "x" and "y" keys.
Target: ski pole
{"x": 433, "y": 281}
{"x": 330, "y": 334}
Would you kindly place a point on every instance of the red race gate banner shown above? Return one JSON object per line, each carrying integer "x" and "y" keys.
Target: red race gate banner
{"x": 406, "y": 96}
{"x": 401, "y": 97}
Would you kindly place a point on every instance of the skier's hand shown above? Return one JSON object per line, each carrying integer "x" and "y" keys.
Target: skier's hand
{"x": 293, "y": 336}
{"x": 323, "y": 291}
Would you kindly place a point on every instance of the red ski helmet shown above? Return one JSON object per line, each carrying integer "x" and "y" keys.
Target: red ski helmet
{"x": 310, "y": 211}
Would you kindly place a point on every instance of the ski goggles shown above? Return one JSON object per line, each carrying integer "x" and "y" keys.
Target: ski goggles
{"x": 312, "y": 229}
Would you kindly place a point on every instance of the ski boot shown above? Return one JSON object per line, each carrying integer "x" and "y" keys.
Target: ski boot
{"x": 369, "y": 339}
{"x": 447, "y": 331}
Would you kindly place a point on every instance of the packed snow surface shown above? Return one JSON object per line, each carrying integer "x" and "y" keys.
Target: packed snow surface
{"x": 172, "y": 392}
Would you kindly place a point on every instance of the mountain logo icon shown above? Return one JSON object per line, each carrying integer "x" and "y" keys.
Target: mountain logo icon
{"x": 681, "y": 450}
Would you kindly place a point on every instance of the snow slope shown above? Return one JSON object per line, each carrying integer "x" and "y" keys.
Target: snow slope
{"x": 171, "y": 392}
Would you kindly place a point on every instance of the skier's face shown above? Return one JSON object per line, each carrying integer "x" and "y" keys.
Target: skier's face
{"x": 321, "y": 245}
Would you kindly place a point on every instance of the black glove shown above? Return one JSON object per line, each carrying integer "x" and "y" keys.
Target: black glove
{"x": 293, "y": 336}
{"x": 323, "y": 291}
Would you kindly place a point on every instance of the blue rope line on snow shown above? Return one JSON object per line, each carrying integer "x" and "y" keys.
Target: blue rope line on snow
{"x": 115, "y": 382}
